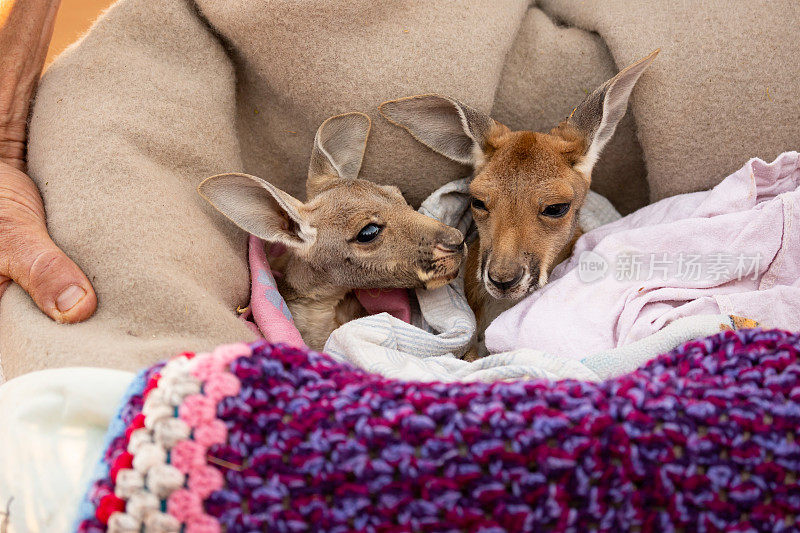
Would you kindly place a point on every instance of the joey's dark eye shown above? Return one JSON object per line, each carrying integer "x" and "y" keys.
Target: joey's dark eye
{"x": 478, "y": 204}
{"x": 369, "y": 233}
{"x": 555, "y": 210}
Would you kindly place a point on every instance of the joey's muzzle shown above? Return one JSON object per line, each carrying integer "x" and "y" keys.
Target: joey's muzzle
{"x": 509, "y": 279}
{"x": 448, "y": 252}
{"x": 449, "y": 241}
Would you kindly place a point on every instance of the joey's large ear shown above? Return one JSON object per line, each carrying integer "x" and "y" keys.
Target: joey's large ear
{"x": 596, "y": 118}
{"x": 338, "y": 150}
{"x": 446, "y": 126}
{"x": 259, "y": 208}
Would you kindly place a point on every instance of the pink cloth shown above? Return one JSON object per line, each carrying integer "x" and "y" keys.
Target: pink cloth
{"x": 733, "y": 250}
{"x": 269, "y": 310}
{"x": 272, "y": 317}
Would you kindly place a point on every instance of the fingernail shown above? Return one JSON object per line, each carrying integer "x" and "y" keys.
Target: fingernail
{"x": 69, "y": 297}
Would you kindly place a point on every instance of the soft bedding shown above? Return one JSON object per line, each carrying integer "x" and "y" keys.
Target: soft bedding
{"x": 269, "y": 437}
{"x": 593, "y": 324}
{"x": 712, "y": 422}
{"x": 161, "y": 94}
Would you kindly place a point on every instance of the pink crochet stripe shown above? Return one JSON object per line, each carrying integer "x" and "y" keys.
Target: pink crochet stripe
{"x": 172, "y": 434}
{"x": 208, "y": 365}
{"x": 190, "y": 455}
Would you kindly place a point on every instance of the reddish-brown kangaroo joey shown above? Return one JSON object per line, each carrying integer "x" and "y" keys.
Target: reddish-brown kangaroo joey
{"x": 527, "y": 187}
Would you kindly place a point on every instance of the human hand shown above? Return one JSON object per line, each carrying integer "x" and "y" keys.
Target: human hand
{"x": 29, "y": 257}
{"x": 27, "y": 254}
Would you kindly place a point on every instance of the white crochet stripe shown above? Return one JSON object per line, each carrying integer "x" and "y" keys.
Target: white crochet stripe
{"x": 152, "y": 479}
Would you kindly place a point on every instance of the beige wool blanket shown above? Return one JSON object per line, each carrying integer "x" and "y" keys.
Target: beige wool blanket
{"x": 163, "y": 93}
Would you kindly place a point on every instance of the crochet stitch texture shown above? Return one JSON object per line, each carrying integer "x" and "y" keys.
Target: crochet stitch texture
{"x": 265, "y": 437}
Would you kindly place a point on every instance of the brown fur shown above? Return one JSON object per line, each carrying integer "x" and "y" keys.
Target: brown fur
{"x": 324, "y": 261}
{"x": 317, "y": 281}
{"x": 517, "y": 175}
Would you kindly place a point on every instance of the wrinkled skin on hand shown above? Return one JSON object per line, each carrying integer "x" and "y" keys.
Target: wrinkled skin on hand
{"x": 27, "y": 254}
{"x": 29, "y": 257}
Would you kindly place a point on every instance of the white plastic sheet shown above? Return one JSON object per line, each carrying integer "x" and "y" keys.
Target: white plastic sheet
{"x": 52, "y": 425}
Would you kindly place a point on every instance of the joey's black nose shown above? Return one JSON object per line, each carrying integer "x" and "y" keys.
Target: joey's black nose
{"x": 506, "y": 282}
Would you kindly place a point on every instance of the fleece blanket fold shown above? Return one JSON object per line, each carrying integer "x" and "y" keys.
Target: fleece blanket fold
{"x": 262, "y": 437}
{"x": 163, "y": 93}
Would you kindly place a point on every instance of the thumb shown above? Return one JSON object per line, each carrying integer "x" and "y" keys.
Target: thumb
{"x": 53, "y": 280}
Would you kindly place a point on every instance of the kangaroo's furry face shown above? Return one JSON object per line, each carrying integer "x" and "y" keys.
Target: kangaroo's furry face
{"x": 351, "y": 233}
{"x": 527, "y": 188}
{"x": 525, "y": 201}
{"x": 363, "y": 235}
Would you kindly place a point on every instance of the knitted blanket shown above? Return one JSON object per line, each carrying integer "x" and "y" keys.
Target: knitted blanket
{"x": 262, "y": 437}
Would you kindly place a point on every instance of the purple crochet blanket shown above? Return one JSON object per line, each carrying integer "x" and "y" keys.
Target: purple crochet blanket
{"x": 270, "y": 438}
